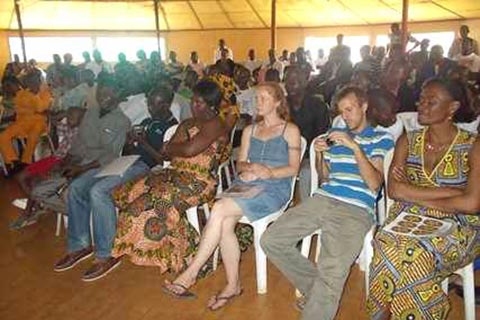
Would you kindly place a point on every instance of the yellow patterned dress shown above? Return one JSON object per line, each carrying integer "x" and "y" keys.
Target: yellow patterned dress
{"x": 406, "y": 272}
{"x": 152, "y": 227}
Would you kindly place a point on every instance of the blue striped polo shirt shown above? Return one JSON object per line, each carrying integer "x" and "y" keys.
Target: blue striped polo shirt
{"x": 345, "y": 182}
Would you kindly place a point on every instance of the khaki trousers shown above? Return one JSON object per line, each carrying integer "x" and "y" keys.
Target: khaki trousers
{"x": 343, "y": 227}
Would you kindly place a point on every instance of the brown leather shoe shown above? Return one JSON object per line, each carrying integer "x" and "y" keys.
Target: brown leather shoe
{"x": 101, "y": 268}
{"x": 70, "y": 260}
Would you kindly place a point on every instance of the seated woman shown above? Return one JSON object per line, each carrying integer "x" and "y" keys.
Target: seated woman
{"x": 269, "y": 156}
{"x": 434, "y": 173}
{"x": 152, "y": 227}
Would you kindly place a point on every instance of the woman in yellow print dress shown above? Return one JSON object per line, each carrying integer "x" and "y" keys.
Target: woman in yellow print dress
{"x": 434, "y": 172}
{"x": 152, "y": 227}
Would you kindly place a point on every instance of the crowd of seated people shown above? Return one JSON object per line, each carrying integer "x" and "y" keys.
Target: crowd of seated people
{"x": 96, "y": 112}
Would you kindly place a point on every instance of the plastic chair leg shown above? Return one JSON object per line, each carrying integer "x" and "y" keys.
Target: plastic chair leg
{"x": 468, "y": 282}
{"x": 192, "y": 217}
{"x": 305, "y": 250}
{"x": 227, "y": 175}
{"x": 59, "y": 224}
{"x": 468, "y": 291}
{"x": 260, "y": 259}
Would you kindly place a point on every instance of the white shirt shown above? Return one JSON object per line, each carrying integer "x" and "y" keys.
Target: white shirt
{"x": 97, "y": 68}
{"x": 320, "y": 62}
{"x": 277, "y": 65}
{"x": 197, "y": 67}
{"x": 135, "y": 108}
{"x": 217, "y": 55}
{"x": 252, "y": 64}
{"x": 472, "y": 62}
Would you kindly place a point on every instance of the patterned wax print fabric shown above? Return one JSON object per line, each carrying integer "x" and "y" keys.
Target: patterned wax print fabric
{"x": 406, "y": 272}
{"x": 152, "y": 226}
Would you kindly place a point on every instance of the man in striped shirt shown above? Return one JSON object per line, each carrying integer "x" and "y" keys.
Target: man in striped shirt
{"x": 350, "y": 162}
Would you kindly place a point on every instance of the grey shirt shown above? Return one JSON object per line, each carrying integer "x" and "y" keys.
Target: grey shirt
{"x": 100, "y": 138}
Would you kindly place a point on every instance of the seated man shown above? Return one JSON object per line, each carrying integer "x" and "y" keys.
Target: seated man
{"x": 100, "y": 139}
{"x": 46, "y": 168}
{"x": 89, "y": 194}
{"x": 381, "y": 113}
{"x": 343, "y": 208}
{"x": 31, "y": 105}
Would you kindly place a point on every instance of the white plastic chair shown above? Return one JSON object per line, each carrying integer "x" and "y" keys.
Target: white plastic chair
{"x": 409, "y": 120}
{"x": 384, "y": 202}
{"x": 366, "y": 255}
{"x": 222, "y": 172}
{"x": 166, "y": 137}
{"x": 468, "y": 280}
{"x": 169, "y": 133}
{"x": 338, "y": 122}
{"x": 3, "y": 165}
{"x": 231, "y": 160}
{"x": 470, "y": 126}
{"x": 225, "y": 166}
{"x": 467, "y": 272}
{"x": 259, "y": 227}
{"x": 192, "y": 213}
{"x": 58, "y": 229}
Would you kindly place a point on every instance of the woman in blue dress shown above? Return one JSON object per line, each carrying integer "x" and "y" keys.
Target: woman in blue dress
{"x": 269, "y": 156}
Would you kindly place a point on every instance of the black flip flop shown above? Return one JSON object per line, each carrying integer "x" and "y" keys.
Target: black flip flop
{"x": 227, "y": 300}
{"x": 186, "y": 294}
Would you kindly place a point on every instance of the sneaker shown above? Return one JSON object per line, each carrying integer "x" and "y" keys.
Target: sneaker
{"x": 20, "y": 203}
{"x": 101, "y": 268}
{"x": 23, "y": 222}
{"x": 70, "y": 260}
{"x": 15, "y": 168}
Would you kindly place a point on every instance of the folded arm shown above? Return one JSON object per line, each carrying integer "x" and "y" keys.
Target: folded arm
{"x": 468, "y": 199}
{"x": 401, "y": 189}
{"x": 209, "y": 133}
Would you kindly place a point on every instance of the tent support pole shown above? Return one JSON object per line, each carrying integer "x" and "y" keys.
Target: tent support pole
{"x": 273, "y": 26}
{"x": 404, "y": 25}
{"x": 20, "y": 29}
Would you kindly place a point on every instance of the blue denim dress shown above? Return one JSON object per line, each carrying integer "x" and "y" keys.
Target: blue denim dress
{"x": 273, "y": 153}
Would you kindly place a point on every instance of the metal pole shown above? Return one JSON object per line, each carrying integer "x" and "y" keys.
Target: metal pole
{"x": 157, "y": 25}
{"x": 404, "y": 25}
{"x": 273, "y": 26}
{"x": 20, "y": 29}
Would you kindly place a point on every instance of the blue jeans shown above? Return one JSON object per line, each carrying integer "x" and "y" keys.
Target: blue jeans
{"x": 90, "y": 195}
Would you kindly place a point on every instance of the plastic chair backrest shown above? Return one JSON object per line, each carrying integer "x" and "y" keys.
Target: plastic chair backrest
{"x": 166, "y": 137}
{"x": 338, "y": 122}
{"x": 303, "y": 147}
{"x": 409, "y": 120}
{"x": 169, "y": 133}
{"x": 470, "y": 126}
{"x": 387, "y": 161}
{"x": 314, "y": 173}
{"x": 313, "y": 169}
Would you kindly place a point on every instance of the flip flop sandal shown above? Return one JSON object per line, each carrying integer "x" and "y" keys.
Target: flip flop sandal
{"x": 186, "y": 294}
{"x": 300, "y": 304}
{"x": 227, "y": 300}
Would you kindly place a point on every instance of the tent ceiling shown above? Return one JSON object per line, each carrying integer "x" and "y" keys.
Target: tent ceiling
{"x": 221, "y": 14}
